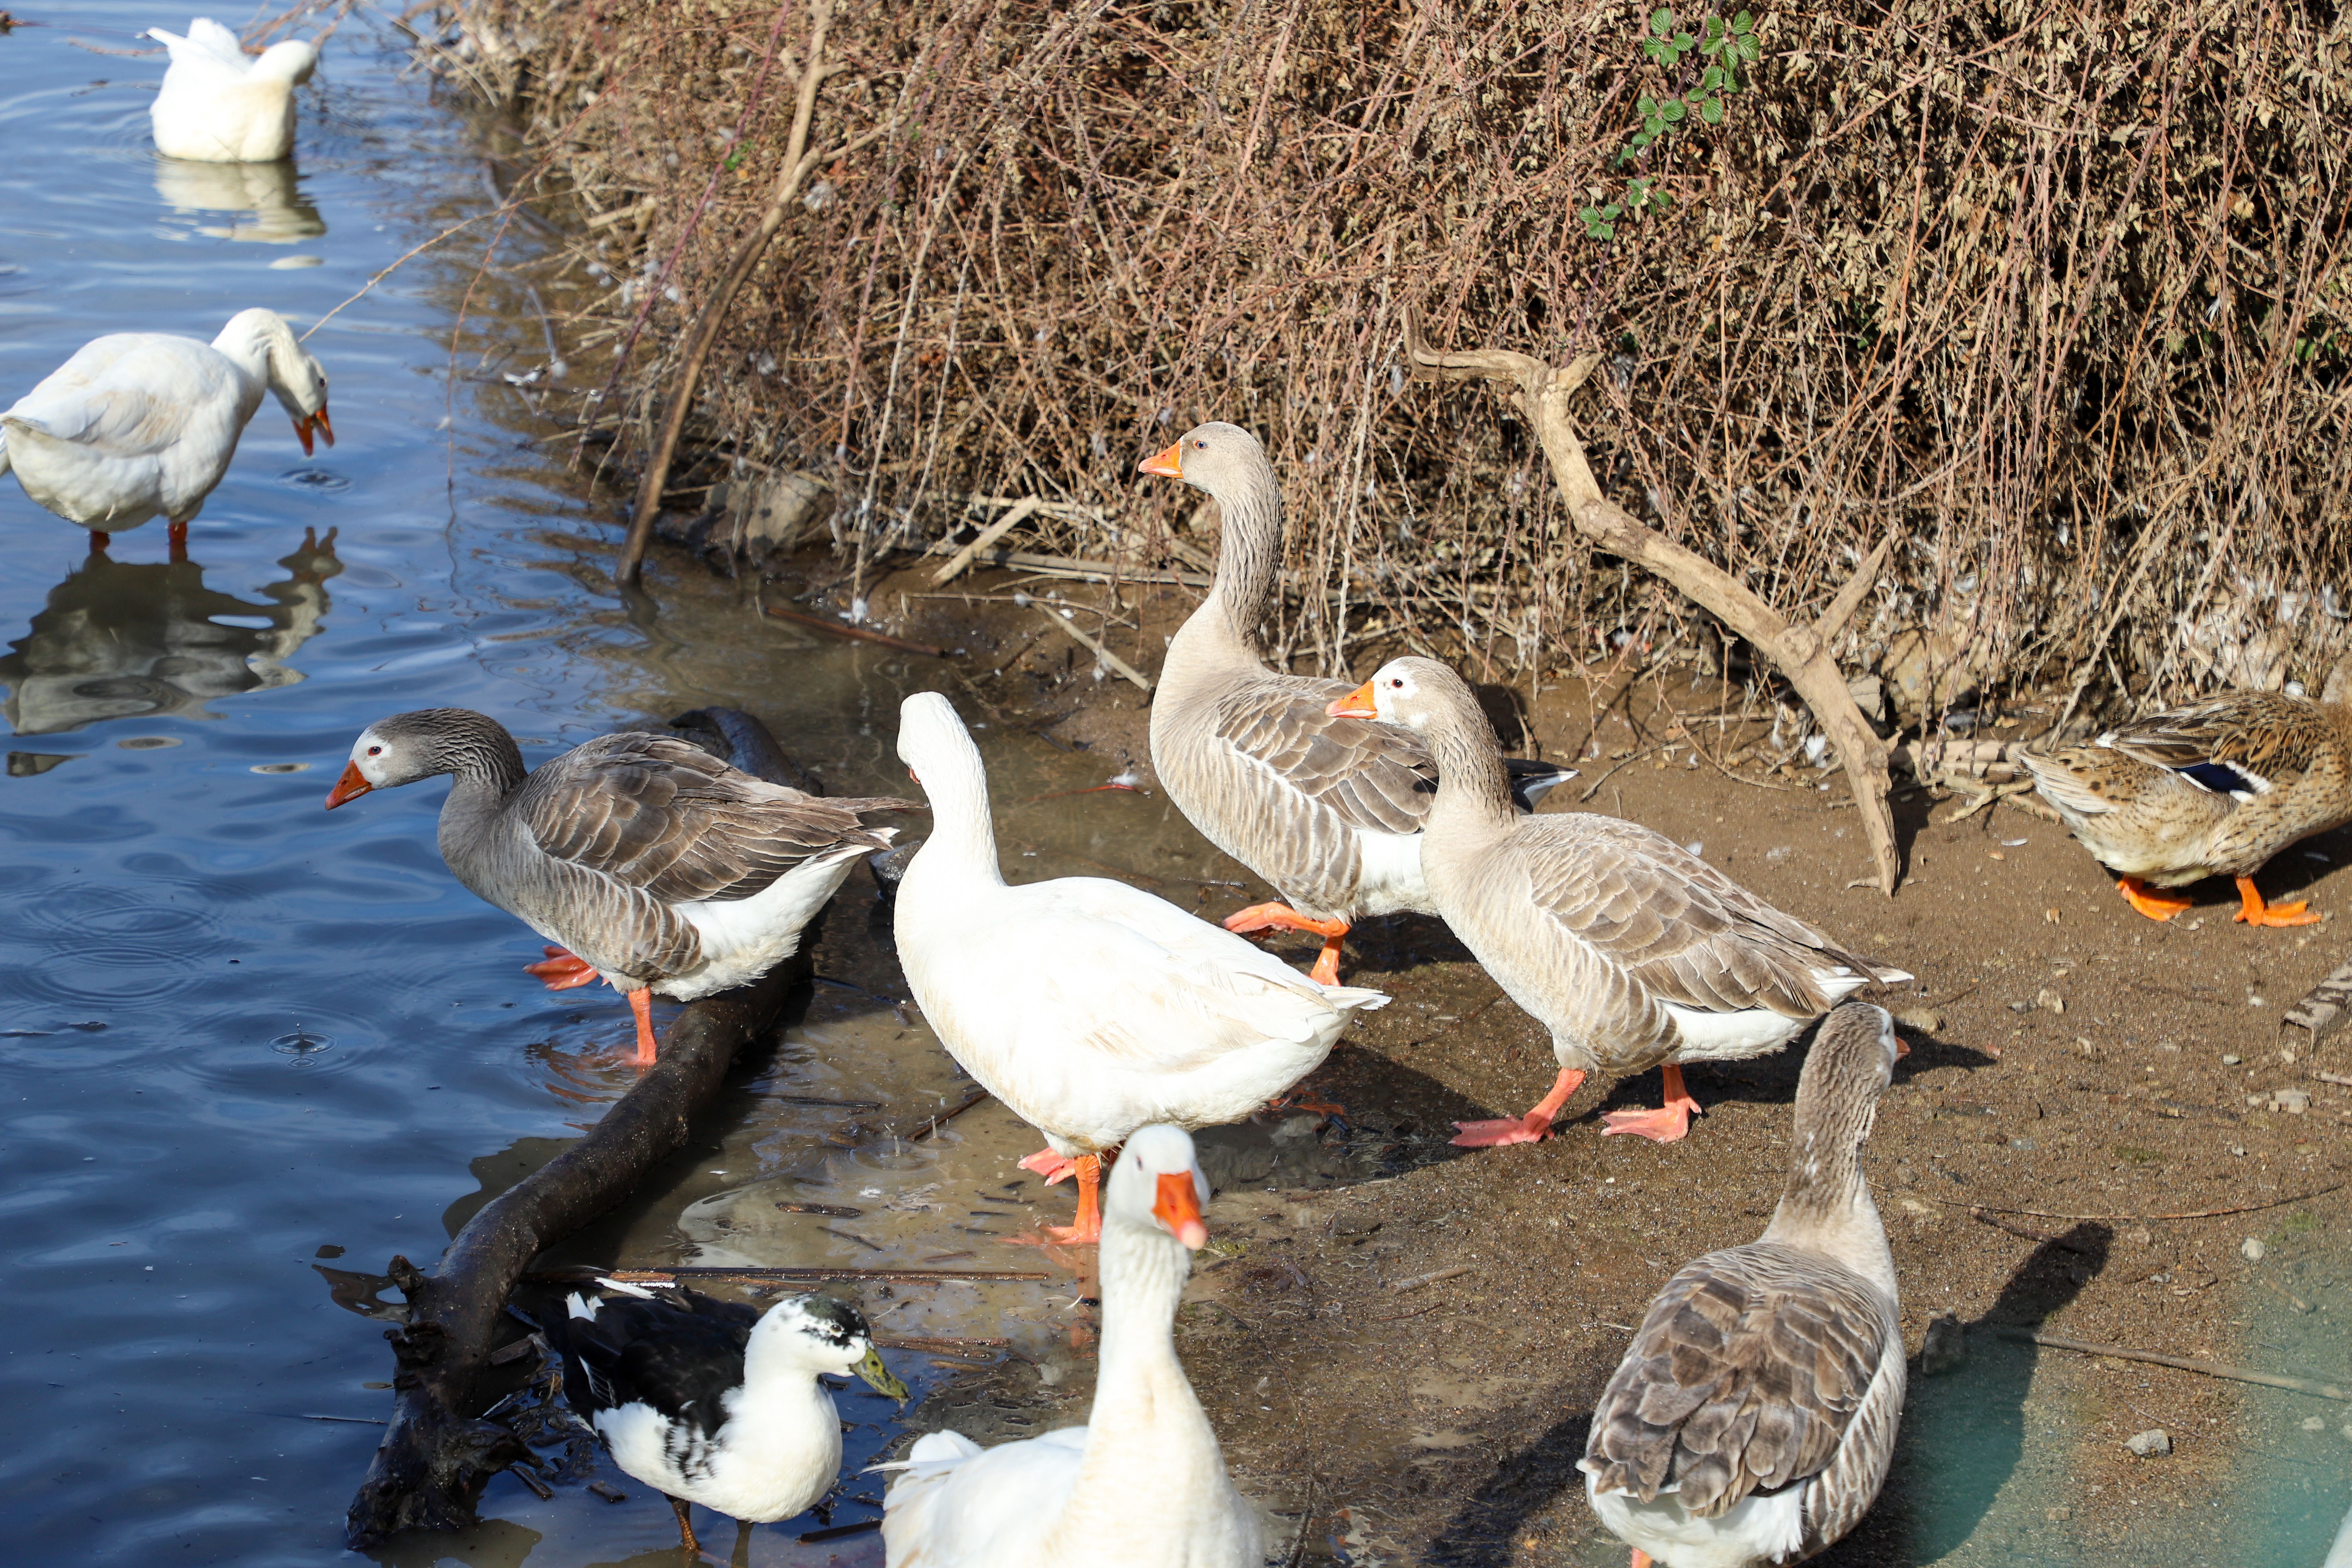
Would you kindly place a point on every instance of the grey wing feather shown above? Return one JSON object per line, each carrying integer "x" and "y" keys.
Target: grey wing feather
{"x": 664, "y": 819}
{"x": 2262, "y": 733}
{"x": 1375, "y": 777}
{"x": 1684, "y": 930}
{"x": 1747, "y": 1375}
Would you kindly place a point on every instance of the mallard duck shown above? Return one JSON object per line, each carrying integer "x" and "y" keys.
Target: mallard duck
{"x": 1143, "y": 1484}
{"x": 2214, "y": 789}
{"x": 142, "y": 425}
{"x": 710, "y": 1401}
{"x": 655, "y": 865}
{"x": 1753, "y": 1417}
{"x": 1324, "y": 806}
{"x": 1633, "y": 951}
{"x": 221, "y": 105}
{"x": 1090, "y": 1007}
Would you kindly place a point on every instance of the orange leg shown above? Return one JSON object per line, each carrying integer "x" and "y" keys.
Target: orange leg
{"x": 641, "y": 1002}
{"x": 2155, "y": 906}
{"x": 176, "y": 536}
{"x": 1667, "y": 1124}
{"x": 1641, "y": 1558}
{"x": 563, "y": 969}
{"x": 1051, "y": 1166}
{"x": 2252, "y": 910}
{"x": 1532, "y": 1128}
{"x": 1282, "y": 917}
{"x": 1089, "y": 1230}
{"x": 1300, "y": 1097}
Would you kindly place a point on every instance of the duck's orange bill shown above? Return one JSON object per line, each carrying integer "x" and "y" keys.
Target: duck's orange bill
{"x": 1357, "y": 704}
{"x": 310, "y": 421}
{"x": 351, "y": 786}
{"x": 1901, "y": 1048}
{"x": 1168, "y": 465}
{"x": 1179, "y": 1208}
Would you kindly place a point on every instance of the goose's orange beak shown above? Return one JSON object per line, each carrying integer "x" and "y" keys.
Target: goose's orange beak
{"x": 1179, "y": 1208}
{"x": 310, "y": 421}
{"x": 1168, "y": 465}
{"x": 351, "y": 786}
{"x": 1357, "y": 704}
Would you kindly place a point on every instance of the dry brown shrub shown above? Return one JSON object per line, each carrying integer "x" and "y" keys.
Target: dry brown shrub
{"x": 2054, "y": 293}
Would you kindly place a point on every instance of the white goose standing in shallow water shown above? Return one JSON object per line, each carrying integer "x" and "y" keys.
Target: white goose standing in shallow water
{"x": 1753, "y": 1417}
{"x": 1090, "y": 1007}
{"x": 653, "y": 864}
{"x": 1633, "y": 951}
{"x": 142, "y": 425}
{"x": 221, "y": 105}
{"x": 1325, "y": 807}
{"x": 1143, "y": 1483}
{"x": 711, "y": 1402}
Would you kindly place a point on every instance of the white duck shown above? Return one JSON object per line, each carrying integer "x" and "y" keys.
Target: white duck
{"x": 221, "y": 105}
{"x": 1143, "y": 1483}
{"x": 142, "y": 425}
{"x": 1089, "y": 1007}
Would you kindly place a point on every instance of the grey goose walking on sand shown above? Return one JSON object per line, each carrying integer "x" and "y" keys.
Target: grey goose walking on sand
{"x": 654, "y": 865}
{"x": 1633, "y": 951}
{"x": 711, "y": 1402}
{"x": 1753, "y": 1417}
{"x": 1325, "y": 806}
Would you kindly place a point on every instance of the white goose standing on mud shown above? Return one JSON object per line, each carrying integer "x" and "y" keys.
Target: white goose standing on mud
{"x": 1089, "y": 1007}
{"x": 1328, "y": 808}
{"x": 1753, "y": 1418}
{"x": 654, "y": 865}
{"x": 1143, "y": 1483}
{"x": 142, "y": 425}
{"x": 1633, "y": 951}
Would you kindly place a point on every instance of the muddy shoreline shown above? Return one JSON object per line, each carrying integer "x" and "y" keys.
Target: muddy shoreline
{"x": 2069, "y": 1056}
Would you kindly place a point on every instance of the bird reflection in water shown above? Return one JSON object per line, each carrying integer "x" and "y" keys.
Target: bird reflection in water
{"x": 123, "y": 640}
{"x": 269, "y": 207}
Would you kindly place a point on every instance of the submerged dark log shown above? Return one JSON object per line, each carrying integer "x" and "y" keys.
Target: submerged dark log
{"x": 439, "y": 1454}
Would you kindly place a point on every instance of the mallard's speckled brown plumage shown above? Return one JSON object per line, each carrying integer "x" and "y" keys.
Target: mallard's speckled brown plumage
{"x": 2210, "y": 790}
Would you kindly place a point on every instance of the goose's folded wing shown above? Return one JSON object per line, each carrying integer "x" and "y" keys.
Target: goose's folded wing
{"x": 1377, "y": 777}
{"x": 666, "y": 818}
{"x": 1678, "y": 927}
{"x": 950, "y": 1501}
{"x": 1745, "y": 1375}
{"x": 209, "y": 54}
{"x": 2240, "y": 743}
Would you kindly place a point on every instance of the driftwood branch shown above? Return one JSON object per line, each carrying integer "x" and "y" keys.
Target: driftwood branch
{"x": 1801, "y": 652}
{"x": 437, "y": 1454}
{"x": 799, "y": 163}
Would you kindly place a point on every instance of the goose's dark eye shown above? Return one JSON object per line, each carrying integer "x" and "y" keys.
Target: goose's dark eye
{"x": 1200, "y": 446}
{"x": 375, "y": 751}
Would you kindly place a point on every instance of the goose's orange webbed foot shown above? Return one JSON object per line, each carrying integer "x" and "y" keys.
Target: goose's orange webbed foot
{"x": 1532, "y": 1128}
{"x": 2154, "y": 905}
{"x": 562, "y": 970}
{"x": 1667, "y": 1124}
{"x": 2254, "y": 912}
{"x": 1088, "y": 1231}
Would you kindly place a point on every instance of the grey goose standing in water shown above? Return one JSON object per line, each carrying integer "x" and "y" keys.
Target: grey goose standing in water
{"x": 1753, "y": 1417}
{"x": 651, "y": 863}
{"x": 1328, "y": 808}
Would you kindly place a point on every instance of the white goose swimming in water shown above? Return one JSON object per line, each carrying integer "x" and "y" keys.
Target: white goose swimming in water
{"x": 1143, "y": 1483}
{"x": 142, "y": 425}
{"x": 655, "y": 865}
{"x": 221, "y": 105}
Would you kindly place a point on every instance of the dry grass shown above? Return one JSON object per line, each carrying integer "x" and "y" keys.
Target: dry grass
{"x": 2054, "y": 293}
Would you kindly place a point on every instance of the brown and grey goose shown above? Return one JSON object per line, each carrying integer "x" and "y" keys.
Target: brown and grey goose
{"x": 655, "y": 865}
{"x": 1753, "y": 1417}
{"x": 1328, "y": 808}
{"x": 1633, "y": 951}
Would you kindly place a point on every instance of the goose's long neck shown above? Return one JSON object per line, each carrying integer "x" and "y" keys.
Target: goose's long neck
{"x": 1227, "y": 627}
{"x": 1826, "y": 1206}
{"x": 1147, "y": 1441}
{"x": 251, "y": 342}
{"x": 485, "y": 767}
{"x": 962, "y": 834}
{"x": 1473, "y": 790}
